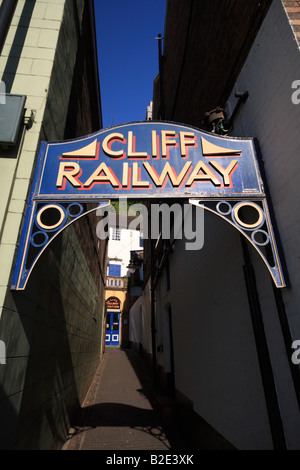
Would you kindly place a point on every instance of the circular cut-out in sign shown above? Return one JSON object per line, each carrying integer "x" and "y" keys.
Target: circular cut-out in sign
{"x": 50, "y": 217}
{"x": 224, "y": 208}
{"x": 39, "y": 239}
{"x": 262, "y": 234}
{"x": 74, "y": 209}
{"x": 252, "y": 218}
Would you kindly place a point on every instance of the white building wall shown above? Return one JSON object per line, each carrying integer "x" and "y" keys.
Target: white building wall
{"x": 215, "y": 356}
{"x": 140, "y": 321}
{"x": 216, "y": 364}
{"x": 270, "y": 115}
{"x": 119, "y": 250}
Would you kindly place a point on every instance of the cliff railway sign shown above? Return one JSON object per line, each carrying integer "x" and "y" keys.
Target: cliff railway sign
{"x": 145, "y": 160}
{"x": 148, "y": 160}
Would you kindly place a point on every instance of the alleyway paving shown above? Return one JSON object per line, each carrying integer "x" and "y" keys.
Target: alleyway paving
{"x": 119, "y": 411}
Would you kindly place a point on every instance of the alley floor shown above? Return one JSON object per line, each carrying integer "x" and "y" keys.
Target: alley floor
{"x": 119, "y": 411}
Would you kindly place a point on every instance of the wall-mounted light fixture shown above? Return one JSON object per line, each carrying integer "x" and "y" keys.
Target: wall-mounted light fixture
{"x": 215, "y": 121}
{"x": 132, "y": 268}
{"x": 135, "y": 262}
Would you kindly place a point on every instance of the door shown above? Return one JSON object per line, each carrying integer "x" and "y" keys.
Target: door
{"x": 112, "y": 337}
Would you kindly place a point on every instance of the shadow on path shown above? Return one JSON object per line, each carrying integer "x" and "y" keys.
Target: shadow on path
{"x": 116, "y": 415}
{"x": 131, "y": 420}
{"x": 174, "y": 433}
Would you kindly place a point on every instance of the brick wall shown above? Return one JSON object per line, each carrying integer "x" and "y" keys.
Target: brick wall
{"x": 25, "y": 67}
{"x": 53, "y": 330}
{"x": 51, "y": 363}
{"x": 203, "y": 53}
{"x": 292, "y": 9}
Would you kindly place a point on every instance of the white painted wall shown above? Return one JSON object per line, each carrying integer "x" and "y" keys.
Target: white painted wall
{"x": 119, "y": 250}
{"x": 140, "y": 321}
{"x": 270, "y": 115}
{"x": 216, "y": 363}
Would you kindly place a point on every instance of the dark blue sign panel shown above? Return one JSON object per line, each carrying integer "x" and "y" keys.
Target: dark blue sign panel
{"x": 148, "y": 159}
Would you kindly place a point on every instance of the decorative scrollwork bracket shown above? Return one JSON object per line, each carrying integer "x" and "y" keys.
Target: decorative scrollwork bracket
{"x": 252, "y": 219}
{"x": 44, "y": 221}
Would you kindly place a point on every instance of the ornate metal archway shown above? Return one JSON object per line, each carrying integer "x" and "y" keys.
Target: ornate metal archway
{"x": 146, "y": 160}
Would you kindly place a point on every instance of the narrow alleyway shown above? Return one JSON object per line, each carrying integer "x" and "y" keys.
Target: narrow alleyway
{"x": 119, "y": 411}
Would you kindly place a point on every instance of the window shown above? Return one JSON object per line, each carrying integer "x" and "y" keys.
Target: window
{"x": 108, "y": 321}
{"x": 116, "y": 234}
{"x": 115, "y": 326}
{"x": 114, "y": 270}
{"x": 141, "y": 240}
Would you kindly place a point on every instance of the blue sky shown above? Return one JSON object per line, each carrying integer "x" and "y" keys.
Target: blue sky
{"x": 127, "y": 56}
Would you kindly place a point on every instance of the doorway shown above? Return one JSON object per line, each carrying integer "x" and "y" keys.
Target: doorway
{"x": 112, "y": 335}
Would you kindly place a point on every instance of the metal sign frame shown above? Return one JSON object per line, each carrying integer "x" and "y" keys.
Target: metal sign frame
{"x": 145, "y": 160}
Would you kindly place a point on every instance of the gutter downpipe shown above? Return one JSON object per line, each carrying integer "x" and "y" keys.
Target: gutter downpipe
{"x": 152, "y": 301}
{"x": 161, "y": 79}
{"x": 285, "y": 328}
{"x": 95, "y": 57}
{"x": 7, "y": 10}
{"x": 273, "y": 409}
{"x": 152, "y": 246}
